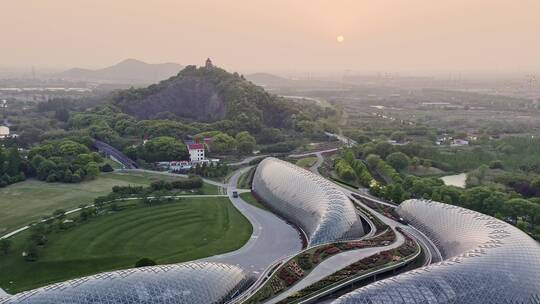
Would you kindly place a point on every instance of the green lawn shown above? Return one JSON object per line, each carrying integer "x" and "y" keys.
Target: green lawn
{"x": 306, "y": 162}
{"x": 28, "y": 201}
{"x": 179, "y": 231}
{"x": 250, "y": 199}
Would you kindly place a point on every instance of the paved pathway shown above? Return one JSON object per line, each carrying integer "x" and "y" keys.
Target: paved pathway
{"x": 246, "y": 160}
{"x": 208, "y": 181}
{"x": 349, "y": 142}
{"x": 335, "y": 263}
{"x": 272, "y": 237}
{"x": 313, "y": 153}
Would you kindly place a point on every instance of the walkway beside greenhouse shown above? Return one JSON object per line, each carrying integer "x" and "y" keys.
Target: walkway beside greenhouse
{"x": 333, "y": 264}
{"x": 272, "y": 239}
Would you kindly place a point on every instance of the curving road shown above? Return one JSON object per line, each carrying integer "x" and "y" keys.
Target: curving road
{"x": 272, "y": 238}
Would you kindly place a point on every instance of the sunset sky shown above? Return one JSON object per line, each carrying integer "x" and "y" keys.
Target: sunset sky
{"x": 417, "y": 36}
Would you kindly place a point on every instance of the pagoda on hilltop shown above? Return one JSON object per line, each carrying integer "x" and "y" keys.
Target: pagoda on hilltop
{"x": 208, "y": 64}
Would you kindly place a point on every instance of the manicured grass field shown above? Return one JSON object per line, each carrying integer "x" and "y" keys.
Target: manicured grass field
{"x": 306, "y": 162}
{"x": 28, "y": 201}
{"x": 178, "y": 231}
{"x": 250, "y": 199}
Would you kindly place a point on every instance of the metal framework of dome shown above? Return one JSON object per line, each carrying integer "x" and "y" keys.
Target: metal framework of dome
{"x": 188, "y": 283}
{"x": 311, "y": 202}
{"x": 486, "y": 261}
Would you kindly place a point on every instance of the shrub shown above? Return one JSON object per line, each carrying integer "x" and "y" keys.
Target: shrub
{"x": 106, "y": 168}
{"x": 145, "y": 262}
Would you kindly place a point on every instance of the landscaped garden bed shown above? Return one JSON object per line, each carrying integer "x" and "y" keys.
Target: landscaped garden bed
{"x": 301, "y": 265}
{"x": 359, "y": 268}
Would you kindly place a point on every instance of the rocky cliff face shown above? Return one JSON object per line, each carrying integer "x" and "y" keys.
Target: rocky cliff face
{"x": 186, "y": 98}
{"x": 205, "y": 94}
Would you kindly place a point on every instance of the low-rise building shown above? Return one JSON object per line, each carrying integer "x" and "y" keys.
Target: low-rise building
{"x": 196, "y": 152}
{"x": 4, "y": 132}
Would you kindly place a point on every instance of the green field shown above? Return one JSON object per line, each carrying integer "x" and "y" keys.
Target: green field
{"x": 250, "y": 199}
{"x": 306, "y": 162}
{"x": 179, "y": 231}
{"x": 28, "y": 201}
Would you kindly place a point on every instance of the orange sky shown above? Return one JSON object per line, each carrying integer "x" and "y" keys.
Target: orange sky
{"x": 276, "y": 35}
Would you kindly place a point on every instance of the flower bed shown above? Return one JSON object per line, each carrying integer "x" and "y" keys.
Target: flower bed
{"x": 361, "y": 267}
{"x": 300, "y": 265}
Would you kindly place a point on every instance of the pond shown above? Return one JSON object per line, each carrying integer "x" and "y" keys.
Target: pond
{"x": 457, "y": 180}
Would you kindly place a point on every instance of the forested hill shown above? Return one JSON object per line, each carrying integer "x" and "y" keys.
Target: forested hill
{"x": 206, "y": 94}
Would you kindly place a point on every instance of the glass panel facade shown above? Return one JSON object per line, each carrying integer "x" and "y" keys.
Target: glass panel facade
{"x": 487, "y": 261}
{"x": 188, "y": 283}
{"x": 322, "y": 211}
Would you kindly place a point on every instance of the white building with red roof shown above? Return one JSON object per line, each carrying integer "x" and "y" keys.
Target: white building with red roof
{"x": 196, "y": 152}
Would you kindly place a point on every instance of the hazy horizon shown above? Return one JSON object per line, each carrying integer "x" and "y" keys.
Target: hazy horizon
{"x": 415, "y": 37}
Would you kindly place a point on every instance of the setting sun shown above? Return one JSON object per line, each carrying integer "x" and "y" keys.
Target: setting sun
{"x": 340, "y": 38}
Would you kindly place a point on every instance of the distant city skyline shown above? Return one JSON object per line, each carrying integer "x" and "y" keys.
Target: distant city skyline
{"x": 415, "y": 37}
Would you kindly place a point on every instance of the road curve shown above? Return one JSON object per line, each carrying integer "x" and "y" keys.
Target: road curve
{"x": 272, "y": 239}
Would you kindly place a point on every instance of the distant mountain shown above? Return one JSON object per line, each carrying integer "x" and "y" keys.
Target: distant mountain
{"x": 129, "y": 71}
{"x": 207, "y": 94}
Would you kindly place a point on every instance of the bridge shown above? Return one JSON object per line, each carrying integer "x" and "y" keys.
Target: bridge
{"x": 115, "y": 154}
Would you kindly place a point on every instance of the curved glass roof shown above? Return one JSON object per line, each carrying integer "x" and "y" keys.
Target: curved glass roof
{"x": 188, "y": 283}
{"x": 311, "y": 202}
{"x": 487, "y": 261}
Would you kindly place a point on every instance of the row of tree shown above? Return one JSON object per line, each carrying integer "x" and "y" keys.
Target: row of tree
{"x": 12, "y": 166}
{"x": 64, "y": 161}
{"x": 397, "y": 187}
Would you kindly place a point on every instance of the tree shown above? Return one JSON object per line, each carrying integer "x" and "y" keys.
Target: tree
{"x": 2, "y": 161}
{"x": 518, "y": 207}
{"x": 270, "y": 136}
{"x": 69, "y": 148}
{"x": 106, "y": 168}
{"x": 45, "y": 169}
{"x": 145, "y": 262}
{"x": 383, "y": 149}
{"x": 535, "y": 183}
{"x": 62, "y": 114}
{"x": 223, "y": 143}
{"x": 31, "y": 252}
{"x": 373, "y": 160}
{"x": 164, "y": 148}
{"x": 36, "y": 161}
{"x": 246, "y": 143}
{"x": 5, "y": 245}
{"x": 396, "y": 193}
{"x": 14, "y": 161}
{"x": 398, "y": 160}
{"x": 38, "y": 234}
{"x": 344, "y": 170}
{"x": 496, "y": 164}
{"x": 59, "y": 214}
{"x": 415, "y": 161}
{"x": 92, "y": 170}
{"x": 398, "y": 136}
